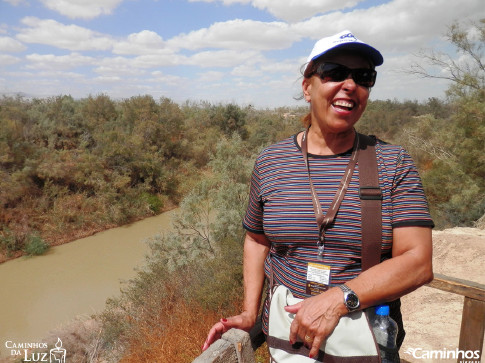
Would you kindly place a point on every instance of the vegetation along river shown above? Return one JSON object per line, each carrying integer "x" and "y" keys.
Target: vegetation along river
{"x": 39, "y": 294}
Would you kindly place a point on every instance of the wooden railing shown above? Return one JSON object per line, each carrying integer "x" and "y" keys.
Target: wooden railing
{"x": 236, "y": 346}
{"x": 473, "y": 318}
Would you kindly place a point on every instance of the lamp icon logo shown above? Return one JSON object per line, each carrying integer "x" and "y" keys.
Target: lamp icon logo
{"x": 58, "y": 354}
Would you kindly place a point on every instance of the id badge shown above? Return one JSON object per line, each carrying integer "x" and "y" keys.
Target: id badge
{"x": 317, "y": 278}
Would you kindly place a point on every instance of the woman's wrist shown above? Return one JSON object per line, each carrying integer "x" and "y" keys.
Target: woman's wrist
{"x": 339, "y": 308}
{"x": 251, "y": 315}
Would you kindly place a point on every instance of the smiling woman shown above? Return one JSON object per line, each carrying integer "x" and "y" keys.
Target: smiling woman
{"x": 289, "y": 235}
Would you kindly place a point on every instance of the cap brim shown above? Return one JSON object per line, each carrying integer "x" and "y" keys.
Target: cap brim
{"x": 369, "y": 52}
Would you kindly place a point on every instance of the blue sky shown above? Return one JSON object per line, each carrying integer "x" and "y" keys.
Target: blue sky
{"x": 243, "y": 51}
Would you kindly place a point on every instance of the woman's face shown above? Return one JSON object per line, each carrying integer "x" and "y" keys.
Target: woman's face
{"x": 337, "y": 106}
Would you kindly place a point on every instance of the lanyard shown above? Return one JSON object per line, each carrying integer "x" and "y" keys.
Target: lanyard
{"x": 324, "y": 220}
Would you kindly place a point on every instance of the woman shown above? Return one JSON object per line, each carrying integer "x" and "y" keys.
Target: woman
{"x": 280, "y": 219}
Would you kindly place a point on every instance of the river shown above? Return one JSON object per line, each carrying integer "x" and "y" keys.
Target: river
{"x": 39, "y": 294}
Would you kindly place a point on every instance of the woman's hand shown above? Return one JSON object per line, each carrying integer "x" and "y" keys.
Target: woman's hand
{"x": 316, "y": 318}
{"x": 242, "y": 321}
{"x": 256, "y": 248}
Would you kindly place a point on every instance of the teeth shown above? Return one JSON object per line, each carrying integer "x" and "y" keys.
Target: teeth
{"x": 343, "y": 103}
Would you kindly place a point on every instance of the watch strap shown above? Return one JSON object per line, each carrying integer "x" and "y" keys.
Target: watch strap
{"x": 347, "y": 291}
{"x": 345, "y": 288}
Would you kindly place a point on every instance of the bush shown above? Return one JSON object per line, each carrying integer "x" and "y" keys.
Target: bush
{"x": 153, "y": 201}
{"x": 35, "y": 245}
{"x": 10, "y": 243}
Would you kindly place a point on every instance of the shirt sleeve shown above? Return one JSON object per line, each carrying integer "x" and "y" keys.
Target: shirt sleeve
{"x": 253, "y": 220}
{"x": 410, "y": 207}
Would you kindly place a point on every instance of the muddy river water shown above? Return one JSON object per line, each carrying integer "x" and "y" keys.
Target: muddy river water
{"x": 41, "y": 293}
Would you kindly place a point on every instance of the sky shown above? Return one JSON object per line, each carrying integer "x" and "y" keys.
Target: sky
{"x": 247, "y": 52}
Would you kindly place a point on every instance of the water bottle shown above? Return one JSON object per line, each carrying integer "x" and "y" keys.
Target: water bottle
{"x": 385, "y": 331}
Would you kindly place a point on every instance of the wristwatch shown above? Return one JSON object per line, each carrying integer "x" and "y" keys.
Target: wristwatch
{"x": 351, "y": 300}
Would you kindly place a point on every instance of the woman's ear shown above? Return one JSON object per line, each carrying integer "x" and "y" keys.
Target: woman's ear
{"x": 306, "y": 86}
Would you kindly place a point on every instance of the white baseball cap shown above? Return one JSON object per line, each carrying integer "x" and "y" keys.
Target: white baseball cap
{"x": 345, "y": 40}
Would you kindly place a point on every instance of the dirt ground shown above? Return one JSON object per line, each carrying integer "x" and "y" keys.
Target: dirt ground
{"x": 432, "y": 317}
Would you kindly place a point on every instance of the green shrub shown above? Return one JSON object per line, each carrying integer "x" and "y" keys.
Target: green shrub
{"x": 10, "y": 242}
{"x": 35, "y": 245}
{"x": 154, "y": 203}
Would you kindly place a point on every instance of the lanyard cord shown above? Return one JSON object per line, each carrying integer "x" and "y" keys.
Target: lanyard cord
{"x": 324, "y": 220}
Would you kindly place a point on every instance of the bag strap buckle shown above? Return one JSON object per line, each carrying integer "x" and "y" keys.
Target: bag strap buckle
{"x": 370, "y": 193}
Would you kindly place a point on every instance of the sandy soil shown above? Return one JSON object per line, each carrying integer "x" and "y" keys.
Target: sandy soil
{"x": 433, "y": 317}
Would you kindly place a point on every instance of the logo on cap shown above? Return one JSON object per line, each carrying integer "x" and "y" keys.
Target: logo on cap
{"x": 348, "y": 35}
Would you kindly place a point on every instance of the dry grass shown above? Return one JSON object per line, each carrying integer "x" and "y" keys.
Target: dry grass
{"x": 179, "y": 340}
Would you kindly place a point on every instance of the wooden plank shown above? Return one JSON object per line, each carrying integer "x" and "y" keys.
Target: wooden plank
{"x": 221, "y": 351}
{"x": 472, "y": 325}
{"x": 242, "y": 344}
{"x": 233, "y": 347}
{"x": 470, "y": 289}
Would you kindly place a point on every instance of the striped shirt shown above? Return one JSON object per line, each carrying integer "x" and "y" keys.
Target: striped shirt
{"x": 280, "y": 206}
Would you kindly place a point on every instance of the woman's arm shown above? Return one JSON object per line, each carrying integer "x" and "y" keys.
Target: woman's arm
{"x": 409, "y": 268}
{"x": 256, "y": 248}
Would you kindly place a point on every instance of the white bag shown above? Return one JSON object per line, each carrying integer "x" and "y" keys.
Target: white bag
{"x": 351, "y": 341}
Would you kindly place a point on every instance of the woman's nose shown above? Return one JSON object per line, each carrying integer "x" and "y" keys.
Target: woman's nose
{"x": 349, "y": 83}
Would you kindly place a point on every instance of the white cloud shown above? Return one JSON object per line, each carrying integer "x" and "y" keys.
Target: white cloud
{"x": 165, "y": 79}
{"x": 247, "y": 70}
{"x": 117, "y": 66}
{"x": 51, "y": 83}
{"x": 292, "y": 10}
{"x": 222, "y": 58}
{"x": 210, "y": 76}
{"x": 71, "y": 37}
{"x": 238, "y": 34}
{"x": 265, "y": 67}
{"x": 296, "y": 10}
{"x": 54, "y": 62}
{"x": 234, "y": 59}
{"x": 84, "y": 9}
{"x": 403, "y": 25}
{"x": 11, "y": 45}
{"x": 126, "y": 66}
{"x": 390, "y": 78}
{"x": 7, "y": 60}
{"x": 108, "y": 79}
{"x": 144, "y": 42}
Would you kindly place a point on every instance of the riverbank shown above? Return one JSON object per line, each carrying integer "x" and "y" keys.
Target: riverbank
{"x": 82, "y": 232}
{"x": 57, "y": 293}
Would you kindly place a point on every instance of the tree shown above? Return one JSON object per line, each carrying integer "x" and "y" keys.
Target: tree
{"x": 453, "y": 146}
{"x": 468, "y": 71}
{"x": 230, "y": 119}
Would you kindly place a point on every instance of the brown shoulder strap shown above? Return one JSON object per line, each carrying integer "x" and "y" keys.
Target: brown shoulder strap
{"x": 371, "y": 202}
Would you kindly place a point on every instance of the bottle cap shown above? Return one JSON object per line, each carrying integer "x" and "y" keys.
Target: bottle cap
{"x": 382, "y": 310}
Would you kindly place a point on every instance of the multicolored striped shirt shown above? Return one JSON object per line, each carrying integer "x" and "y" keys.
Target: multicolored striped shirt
{"x": 280, "y": 206}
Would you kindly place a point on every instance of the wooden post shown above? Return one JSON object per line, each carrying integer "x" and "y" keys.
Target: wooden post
{"x": 233, "y": 347}
{"x": 472, "y": 325}
{"x": 473, "y": 317}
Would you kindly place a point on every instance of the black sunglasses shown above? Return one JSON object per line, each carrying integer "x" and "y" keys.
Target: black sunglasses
{"x": 365, "y": 77}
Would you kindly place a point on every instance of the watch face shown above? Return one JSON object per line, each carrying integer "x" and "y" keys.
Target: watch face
{"x": 352, "y": 301}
